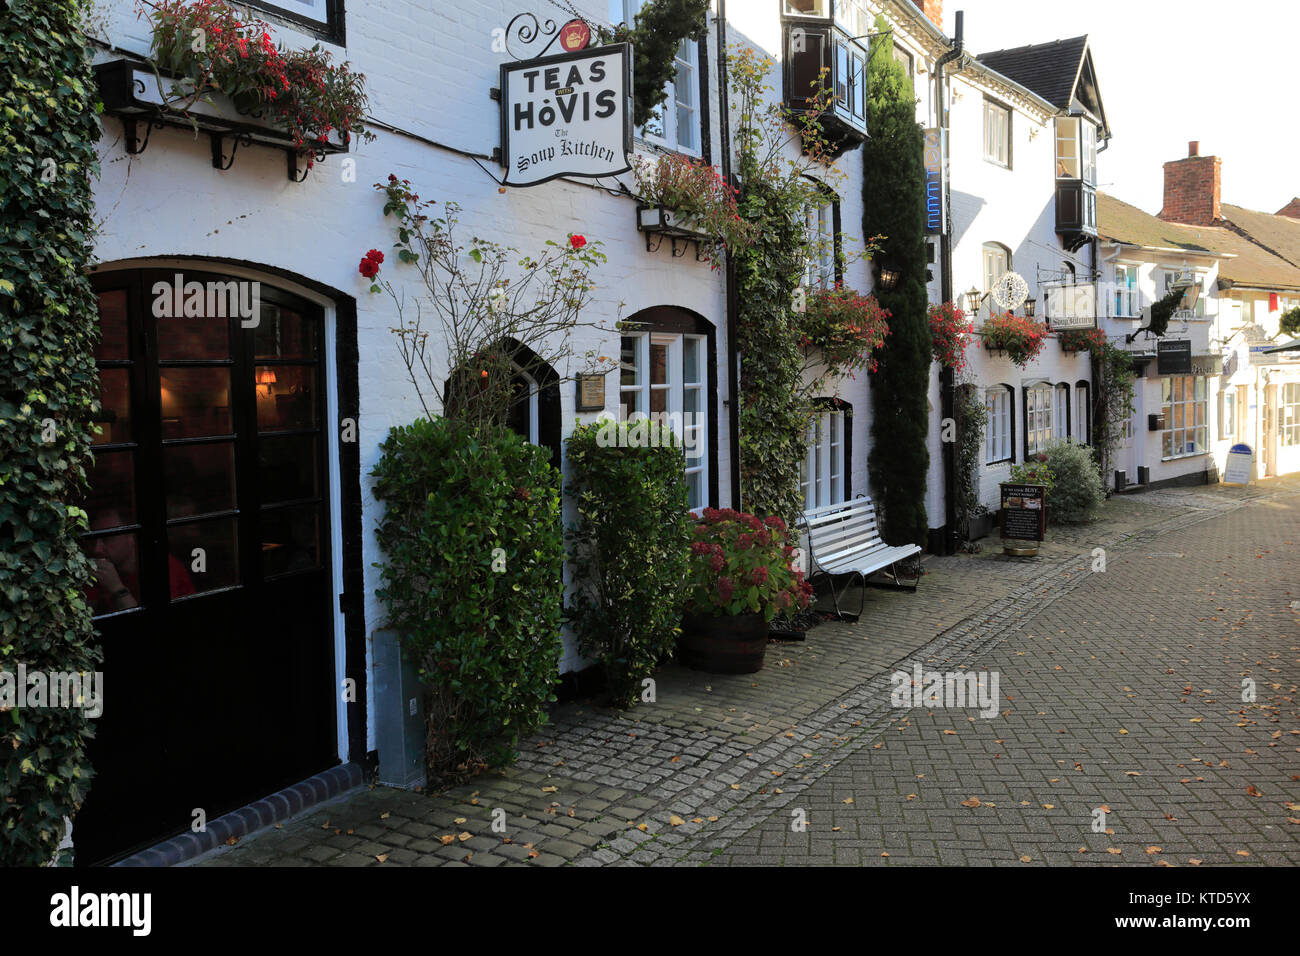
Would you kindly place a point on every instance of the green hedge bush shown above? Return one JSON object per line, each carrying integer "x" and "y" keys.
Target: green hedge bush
{"x": 1077, "y": 490}
{"x": 630, "y": 551}
{"x": 473, "y": 583}
{"x": 48, "y": 394}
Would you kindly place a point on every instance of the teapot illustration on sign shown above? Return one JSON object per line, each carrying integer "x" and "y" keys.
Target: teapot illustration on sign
{"x": 575, "y": 35}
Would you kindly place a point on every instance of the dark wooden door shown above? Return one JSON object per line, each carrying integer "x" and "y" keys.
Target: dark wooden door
{"x": 209, "y": 514}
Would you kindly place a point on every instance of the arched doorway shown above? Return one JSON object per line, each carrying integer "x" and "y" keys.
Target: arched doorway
{"x": 210, "y": 520}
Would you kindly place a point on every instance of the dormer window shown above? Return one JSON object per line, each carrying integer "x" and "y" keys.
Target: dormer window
{"x": 827, "y": 35}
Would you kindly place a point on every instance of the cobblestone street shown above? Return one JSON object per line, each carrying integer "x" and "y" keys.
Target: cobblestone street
{"x": 1121, "y": 699}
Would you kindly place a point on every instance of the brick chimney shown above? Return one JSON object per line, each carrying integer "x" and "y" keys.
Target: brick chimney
{"x": 1291, "y": 209}
{"x": 933, "y": 9}
{"x": 1192, "y": 189}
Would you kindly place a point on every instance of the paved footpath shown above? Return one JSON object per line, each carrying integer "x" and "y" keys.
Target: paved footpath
{"x": 1121, "y": 702}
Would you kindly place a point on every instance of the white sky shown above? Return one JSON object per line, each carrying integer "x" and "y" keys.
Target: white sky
{"x": 1171, "y": 71}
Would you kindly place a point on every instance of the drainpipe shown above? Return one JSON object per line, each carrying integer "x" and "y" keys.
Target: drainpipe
{"x": 733, "y": 357}
{"x": 947, "y": 379}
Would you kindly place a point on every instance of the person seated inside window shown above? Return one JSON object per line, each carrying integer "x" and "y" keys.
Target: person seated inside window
{"x": 117, "y": 570}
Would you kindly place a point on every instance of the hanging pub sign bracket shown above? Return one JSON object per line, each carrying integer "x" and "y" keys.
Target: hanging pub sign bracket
{"x": 567, "y": 114}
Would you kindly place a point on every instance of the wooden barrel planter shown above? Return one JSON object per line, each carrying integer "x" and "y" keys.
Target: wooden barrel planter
{"x": 723, "y": 645}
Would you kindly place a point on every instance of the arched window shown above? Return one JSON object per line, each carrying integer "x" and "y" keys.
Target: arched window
{"x": 667, "y": 371}
{"x": 1038, "y": 417}
{"x": 1061, "y": 411}
{"x": 824, "y": 472}
{"x": 534, "y": 411}
{"x": 1083, "y": 412}
{"x": 999, "y": 425}
{"x": 997, "y": 262}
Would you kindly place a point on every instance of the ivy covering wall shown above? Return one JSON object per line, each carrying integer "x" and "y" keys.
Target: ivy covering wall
{"x": 894, "y": 200}
{"x": 48, "y": 393}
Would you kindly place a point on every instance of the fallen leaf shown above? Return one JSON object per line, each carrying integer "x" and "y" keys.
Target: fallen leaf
{"x": 884, "y": 854}
{"x": 1049, "y": 806}
{"x": 911, "y": 796}
{"x": 951, "y": 733}
{"x": 1104, "y": 808}
{"x": 972, "y": 802}
{"x": 1123, "y": 731}
{"x": 642, "y": 827}
{"x": 532, "y": 854}
{"x": 1195, "y": 862}
{"x": 1194, "y": 720}
{"x": 1132, "y": 773}
{"x": 675, "y": 820}
{"x": 382, "y": 857}
{"x": 675, "y": 759}
{"x": 1025, "y": 859}
{"x": 1243, "y": 853}
{"x": 1252, "y": 791}
{"x": 459, "y": 820}
{"x": 1155, "y": 849}
{"x": 712, "y": 819}
{"x": 447, "y": 838}
{"x": 231, "y": 841}
{"x": 385, "y": 815}
{"x": 847, "y": 800}
{"x": 1114, "y": 850}
{"x": 462, "y": 837}
{"x": 550, "y": 789}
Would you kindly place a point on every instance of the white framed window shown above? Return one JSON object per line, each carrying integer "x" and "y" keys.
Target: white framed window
{"x": 820, "y": 228}
{"x": 1061, "y": 412}
{"x": 821, "y": 475}
{"x": 1227, "y": 414}
{"x": 997, "y": 262}
{"x": 852, "y": 16}
{"x": 997, "y": 425}
{"x": 321, "y": 14}
{"x": 997, "y": 133}
{"x": 1076, "y": 149}
{"x": 1126, "y": 294}
{"x": 664, "y": 377}
{"x": 675, "y": 123}
{"x": 807, "y": 8}
{"x": 1289, "y": 414}
{"x": 1038, "y": 418}
{"x": 1081, "y": 395}
{"x": 1186, "y": 430}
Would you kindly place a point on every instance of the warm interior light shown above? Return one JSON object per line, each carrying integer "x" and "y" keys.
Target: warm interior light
{"x": 266, "y": 377}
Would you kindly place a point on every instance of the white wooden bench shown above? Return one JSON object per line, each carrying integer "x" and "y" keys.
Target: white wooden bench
{"x": 845, "y": 539}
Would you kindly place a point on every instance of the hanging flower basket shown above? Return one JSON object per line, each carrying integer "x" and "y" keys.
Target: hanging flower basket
{"x": 844, "y": 326}
{"x": 1082, "y": 340}
{"x": 950, "y": 334}
{"x": 1021, "y": 338}
{"x": 689, "y": 199}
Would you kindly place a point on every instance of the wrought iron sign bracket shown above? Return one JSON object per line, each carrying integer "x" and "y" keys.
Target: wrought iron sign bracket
{"x": 219, "y": 160}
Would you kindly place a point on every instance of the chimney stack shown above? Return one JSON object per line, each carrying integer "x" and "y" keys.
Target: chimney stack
{"x": 933, "y": 9}
{"x": 1291, "y": 209}
{"x": 1193, "y": 188}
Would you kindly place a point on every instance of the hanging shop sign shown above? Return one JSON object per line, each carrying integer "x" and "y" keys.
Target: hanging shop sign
{"x": 936, "y": 182}
{"x": 1072, "y": 306}
{"x": 1239, "y": 466}
{"x": 1174, "y": 357}
{"x": 567, "y": 115}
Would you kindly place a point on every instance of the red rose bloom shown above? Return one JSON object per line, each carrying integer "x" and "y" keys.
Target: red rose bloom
{"x": 368, "y": 268}
{"x": 376, "y": 255}
{"x": 577, "y": 241}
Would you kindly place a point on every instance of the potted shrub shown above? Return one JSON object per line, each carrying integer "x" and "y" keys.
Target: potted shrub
{"x": 1021, "y": 338}
{"x": 689, "y": 199}
{"x": 740, "y": 576}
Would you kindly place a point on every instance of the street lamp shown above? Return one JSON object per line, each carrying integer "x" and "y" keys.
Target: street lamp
{"x": 973, "y": 299}
{"x": 888, "y": 279}
{"x": 1031, "y": 305}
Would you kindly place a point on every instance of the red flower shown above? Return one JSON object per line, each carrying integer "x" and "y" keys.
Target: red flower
{"x": 700, "y": 547}
{"x": 375, "y": 255}
{"x": 774, "y": 521}
{"x": 758, "y": 575}
{"x": 726, "y": 587}
{"x": 717, "y": 563}
{"x": 368, "y": 268}
{"x": 577, "y": 241}
{"x": 745, "y": 541}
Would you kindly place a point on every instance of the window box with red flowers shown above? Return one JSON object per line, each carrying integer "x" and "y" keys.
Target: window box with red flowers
{"x": 216, "y": 71}
{"x": 684, "y": 198}
{"x": 740, "y": 575}
{"x": 950, "y": 334}
{"x": 1082, "y": 340}
{"x": 1020, "y": 338}
{"x": 842, "y": 329}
